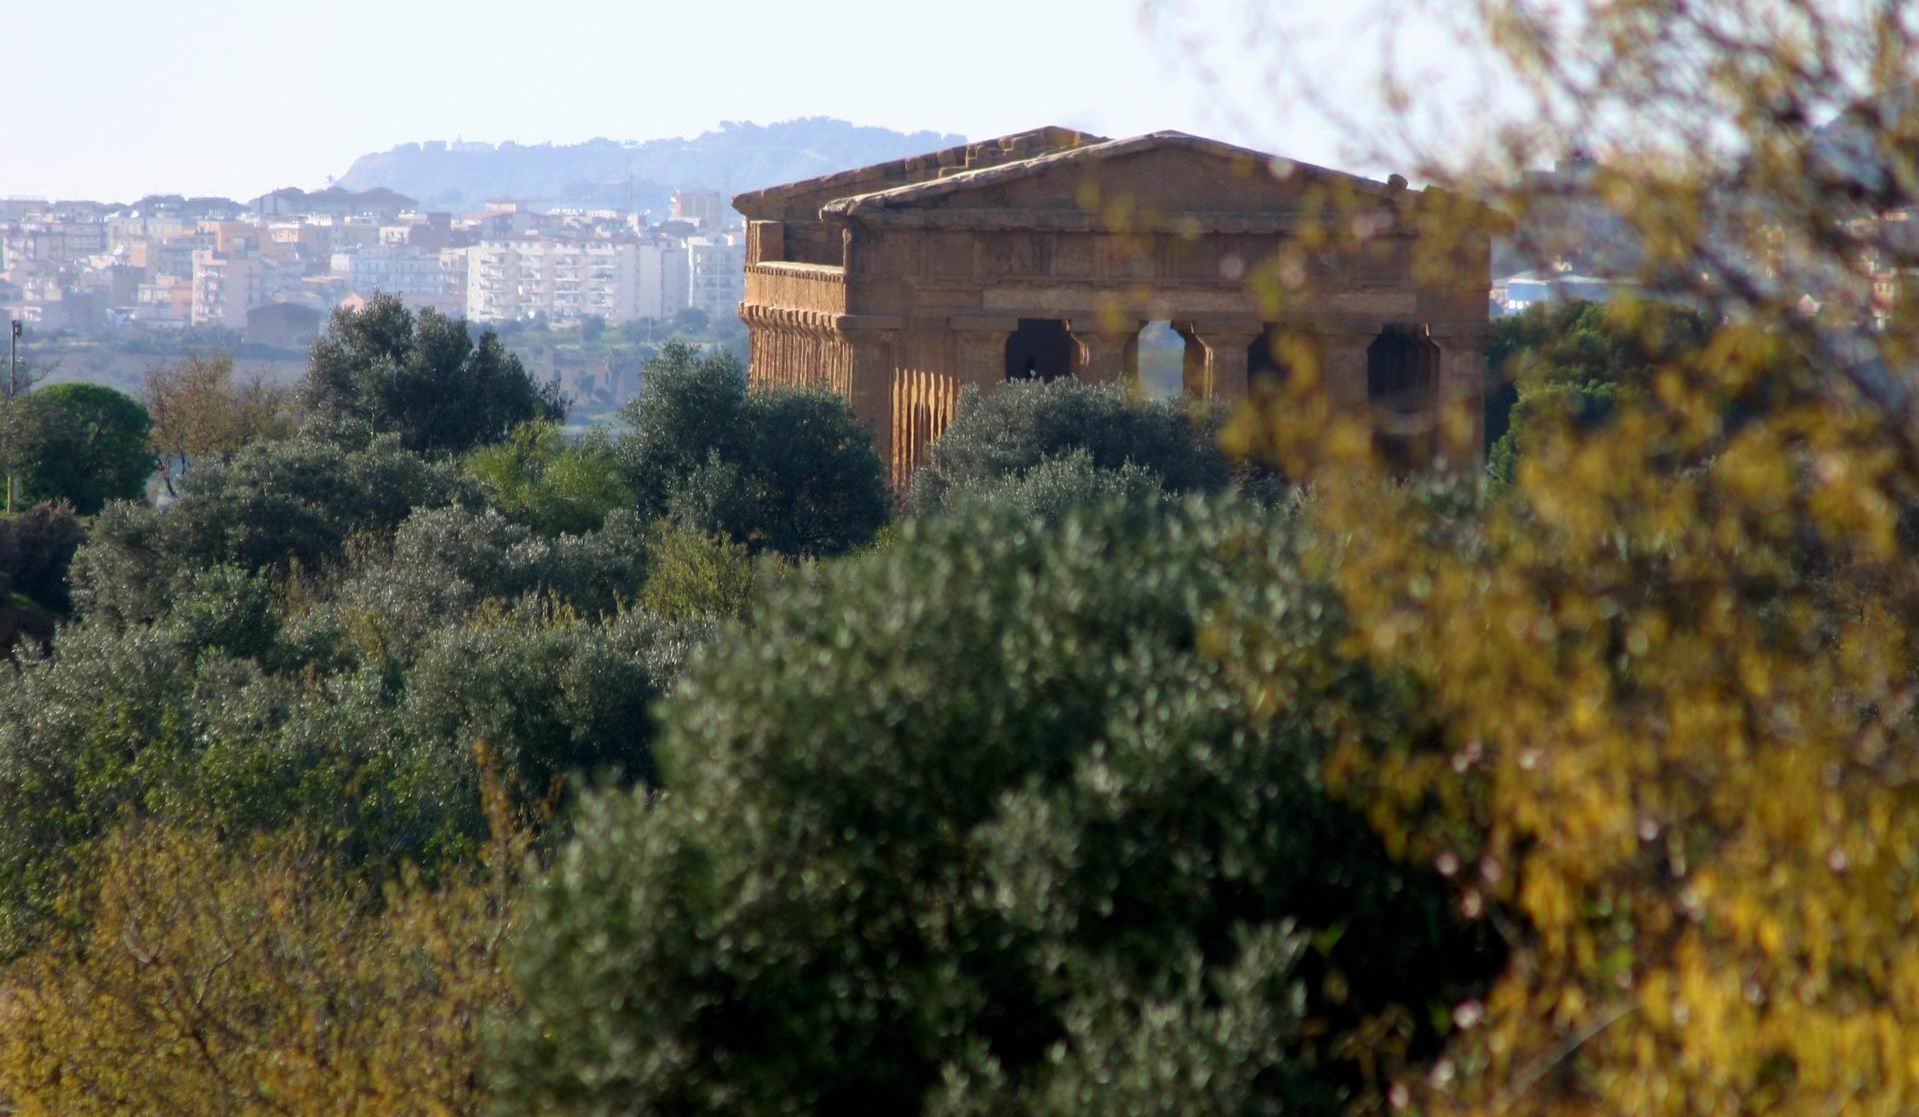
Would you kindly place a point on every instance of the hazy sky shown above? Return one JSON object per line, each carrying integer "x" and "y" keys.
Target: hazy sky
{"x": 116, "y": 98}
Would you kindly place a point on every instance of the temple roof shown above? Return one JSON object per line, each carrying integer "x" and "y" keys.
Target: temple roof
{"x": 918, "y": 168}
{"x": 1251, "y": 162}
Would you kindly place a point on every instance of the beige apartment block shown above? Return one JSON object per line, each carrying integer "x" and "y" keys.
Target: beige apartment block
{"x": 1044, "y": 254}
{"x": 225, "y": 287}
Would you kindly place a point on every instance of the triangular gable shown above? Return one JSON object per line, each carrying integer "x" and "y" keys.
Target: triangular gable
{"x": 803, "y": 199}
{"x": 1165, "y": 171}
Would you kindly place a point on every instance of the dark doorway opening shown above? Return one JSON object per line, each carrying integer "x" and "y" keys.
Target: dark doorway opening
{"x": 1402, "y": 380}
{"x": 1041, "y": 349}
{"x": 1264, "y": 363}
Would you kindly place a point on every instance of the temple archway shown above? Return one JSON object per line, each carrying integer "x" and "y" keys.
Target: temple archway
{"x": 1264, "y": 363}
{"x": 1041, "y": 349}
{"x": 1162, "y": 361}
{"x": 1402, "y": 383}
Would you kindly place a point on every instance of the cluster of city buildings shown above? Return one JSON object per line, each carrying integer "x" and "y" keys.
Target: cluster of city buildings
{"x": 275, "y": 266}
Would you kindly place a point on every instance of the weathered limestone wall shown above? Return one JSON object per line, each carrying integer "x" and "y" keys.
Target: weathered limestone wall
{"x": 898, "y": 302}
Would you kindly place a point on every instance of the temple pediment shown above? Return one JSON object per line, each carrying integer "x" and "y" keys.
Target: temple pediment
{"x": 802, "y": 200}
{"x": 1155, "y": 178}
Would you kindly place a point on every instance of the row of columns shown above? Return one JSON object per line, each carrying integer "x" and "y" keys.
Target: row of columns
{"x": 1216, "y": 351}
{"x": 1216, "y": 363}
{"x": 1109, "y": 353}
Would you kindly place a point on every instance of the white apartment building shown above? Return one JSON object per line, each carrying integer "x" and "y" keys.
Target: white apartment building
{"x": 618, "y": 280}
{"x": 398, "y": 269}
{"x": 717, "y": 274}
{"x": 664, "y": 279}
{"x": 493, "y": 281}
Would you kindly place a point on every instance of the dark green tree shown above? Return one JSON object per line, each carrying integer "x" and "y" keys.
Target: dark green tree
{"x": 785, "y": 471}
{"x": 89, "y": 447}
{"x": 974, "y": 825}
{"x": 36, "y": 548}
{"x": 1573, "y": 361}
{"x": 690, "y": 405}
{"x": 422, "y": 377}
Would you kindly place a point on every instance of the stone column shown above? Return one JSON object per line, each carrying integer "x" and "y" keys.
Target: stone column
{"x": 1226, "y": 344}
{"x": 873, "y": 343}
{"x": 979, "y": 350}
{"x": 1342, "y": 364}
{"x": 1192, "y": 368}
{"x": 757, "y": 357}
{"x": 1460, "y": 393}
{"x": 1106, "y": 355}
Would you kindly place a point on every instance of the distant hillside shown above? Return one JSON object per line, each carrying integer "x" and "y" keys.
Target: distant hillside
{"x": 733, "y": 159}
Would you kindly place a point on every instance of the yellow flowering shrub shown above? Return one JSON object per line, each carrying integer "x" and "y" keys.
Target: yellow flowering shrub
{"x": 209, "y": 979}
{"x": 1670, "y": 671}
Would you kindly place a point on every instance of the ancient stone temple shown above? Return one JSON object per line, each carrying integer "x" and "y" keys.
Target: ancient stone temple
{"x": 1043, "y": 254}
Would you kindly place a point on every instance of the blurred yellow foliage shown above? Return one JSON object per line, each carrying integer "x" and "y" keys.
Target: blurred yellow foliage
{"x": 1670, "y": 673}
{"x": 254, "y": 981}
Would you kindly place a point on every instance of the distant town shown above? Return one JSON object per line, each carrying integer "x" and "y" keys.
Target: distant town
{"x": 266, "y": 273}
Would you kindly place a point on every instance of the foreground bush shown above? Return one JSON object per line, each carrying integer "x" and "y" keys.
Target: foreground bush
{"x": 1000, "y": 436}
{"x": 970, "y": 825}
{"x": 207, "y": 979}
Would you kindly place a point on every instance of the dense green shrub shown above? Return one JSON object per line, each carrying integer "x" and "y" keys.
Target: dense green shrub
{"x": 973, "y": 822}
{"x": 274, "y": 505}
{"x": 785, "y": 471}
{"x": 550, "y": 696}
{"x": 158, "y": 720}
{"x": 555, "y": 485}
{"x": 220, "y": 715}
{"x": 1054, "y": 487}
{"x": 36, "y": 550}
{"x": 422, "y": 378}
{"x": 1574, "y": 361}
{"x": 442, "y": 563}
{"x": 89, "y": 447}
{"x": 1021, "y": 425}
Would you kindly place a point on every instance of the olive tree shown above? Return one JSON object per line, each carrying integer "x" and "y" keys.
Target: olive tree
{"x": 971, "y": 825}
